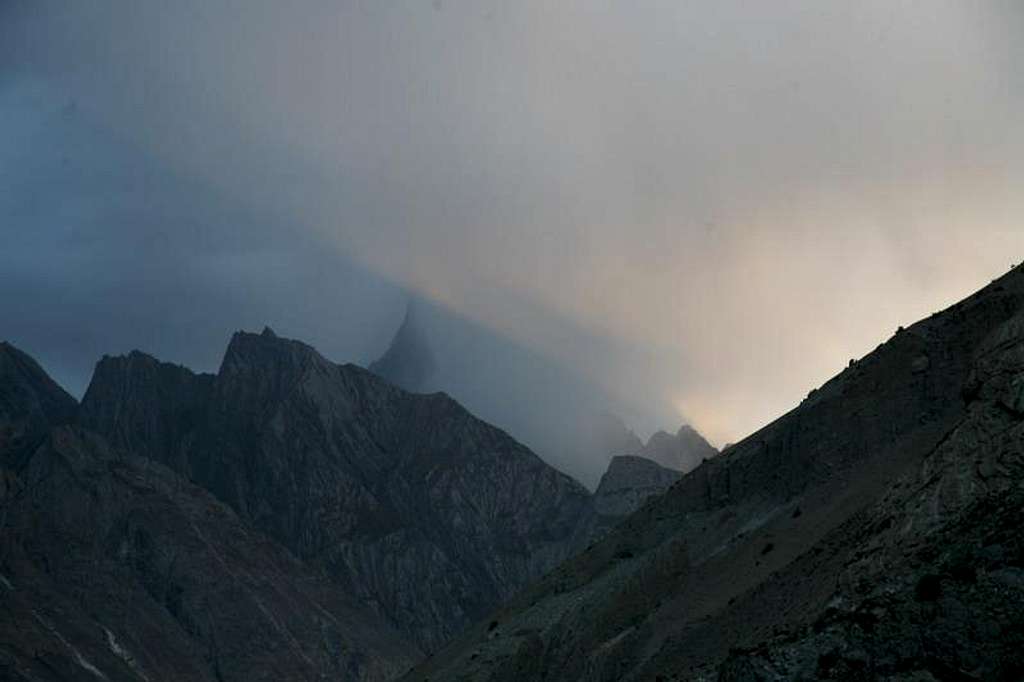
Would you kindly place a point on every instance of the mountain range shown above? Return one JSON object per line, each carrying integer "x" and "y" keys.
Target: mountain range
{"x": 293, "y": 518}
{"x": 286, "y": 515}
{"x": 410, "y": 503}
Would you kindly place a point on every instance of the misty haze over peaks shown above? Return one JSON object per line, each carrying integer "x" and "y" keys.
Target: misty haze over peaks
{"x": 693, "y": 211}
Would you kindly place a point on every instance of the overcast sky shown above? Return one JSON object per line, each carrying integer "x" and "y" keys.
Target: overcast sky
{"x": 704, "y": 209}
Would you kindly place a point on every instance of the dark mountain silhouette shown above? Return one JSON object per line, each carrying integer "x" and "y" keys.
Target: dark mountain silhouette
{"x": 294, "y": 518}
{"x": 407, "y": 501}
{"x": 112, "y": 567}
{"x": 874, "y": 532}
{"x": 287, "y": 517}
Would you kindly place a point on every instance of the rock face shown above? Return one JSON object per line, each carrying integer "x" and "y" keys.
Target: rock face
{"x": 112, "y": 567}
{"x": 408, "y": 361}
{"x": 872, "y": 533}
{"x": 410, "y": 503}
{"x": 627, "y": 484}
{"x": 682, "y": 452}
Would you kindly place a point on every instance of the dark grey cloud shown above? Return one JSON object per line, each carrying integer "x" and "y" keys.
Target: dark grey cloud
{"x": 696, "y": 210}
{"x": 106, "y": 250}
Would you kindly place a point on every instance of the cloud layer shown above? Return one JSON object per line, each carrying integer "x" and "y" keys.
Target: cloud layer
{"x": 704, "y": 209}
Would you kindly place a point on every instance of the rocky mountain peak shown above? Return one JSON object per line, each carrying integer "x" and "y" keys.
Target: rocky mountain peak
{"x": 694, "y": 442}
{"x": 142, "y": 400}
{"x": 129, "y": 375}
{"x": 683, "y": 451}
{"x": 267, "y": 353}
{"x": 29, "y": 402}
{"x": 23, "y": 381}
{"x": 628, "y": 469}
{"x": 408, "y": 362}
{"x": 135, "y": 367}
{"x": 628, "y": 482}
{"x": 660, "y": 439}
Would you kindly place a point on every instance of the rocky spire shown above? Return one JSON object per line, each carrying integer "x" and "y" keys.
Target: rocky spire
{"x": 408, "y": 361}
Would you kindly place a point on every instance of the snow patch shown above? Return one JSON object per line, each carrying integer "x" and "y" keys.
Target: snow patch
{"x": 81, "y": 660}
{"x": 124, "y": 654}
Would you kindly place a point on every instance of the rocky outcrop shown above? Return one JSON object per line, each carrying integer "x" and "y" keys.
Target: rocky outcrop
{"x": 871, "y": 533}
{"x": 112, "y": 567}
{"x": 682, "y": 452}
{"x": 410, "y": 503}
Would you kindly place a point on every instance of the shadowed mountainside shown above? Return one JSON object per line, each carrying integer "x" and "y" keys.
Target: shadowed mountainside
{"x": 112, "y": 567}
{"x": 871, "y": 533}
{"x": 267, "y": 519}
{"x": 409, "y": 502}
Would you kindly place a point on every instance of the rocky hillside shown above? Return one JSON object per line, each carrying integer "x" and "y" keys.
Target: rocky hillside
{"x": 113, "y": 568}
{"x": 410, "y": 503}
{"x": 871, "y": 533}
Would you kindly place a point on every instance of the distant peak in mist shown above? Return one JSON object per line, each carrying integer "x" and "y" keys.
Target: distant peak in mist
{"x": 683, "y": 451}
{"x": 409, "y": 361}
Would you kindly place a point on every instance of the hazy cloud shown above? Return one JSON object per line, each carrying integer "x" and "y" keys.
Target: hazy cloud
{"x": 702, "y": 208}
